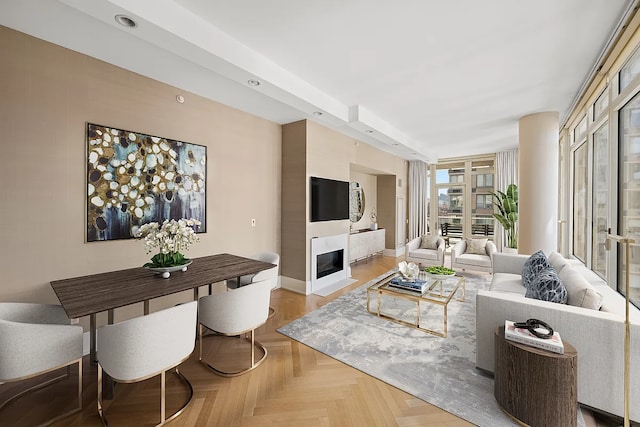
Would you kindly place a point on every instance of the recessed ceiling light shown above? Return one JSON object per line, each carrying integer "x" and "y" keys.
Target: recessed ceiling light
{"x": 126, "y": 21}
{"x": 253, "y": 82}
{"x": 368, "y": 131}
{"x": 317, "y": 113}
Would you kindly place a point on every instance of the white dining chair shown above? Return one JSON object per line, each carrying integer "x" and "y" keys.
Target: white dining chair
{"x": 235, "y": 313}
{"x": 143, "y": 347}
{"x": 36, "y": 339}
{"x": 269, "y": 274}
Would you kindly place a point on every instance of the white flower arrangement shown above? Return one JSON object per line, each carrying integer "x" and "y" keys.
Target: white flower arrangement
{"x": 170, "y": 239}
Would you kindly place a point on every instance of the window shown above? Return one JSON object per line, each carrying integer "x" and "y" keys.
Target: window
{"x": 484, "y": 180}
{"x": 456, "y": 178}
{"x": 580, "y": 172}
{"x": 484, "y": 201}
{"x": 630, "y": 70}
{"x": 629, "y": 196}
{"x": 600, "y": 206}
{"x": 601, "y": 104}
{"x": 580, "y": 131}
{"x": 447, "y": 173}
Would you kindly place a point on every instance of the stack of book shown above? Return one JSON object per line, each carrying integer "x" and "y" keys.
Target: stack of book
{"x": 524, "y": 336}
{"x": 412, "y": 285}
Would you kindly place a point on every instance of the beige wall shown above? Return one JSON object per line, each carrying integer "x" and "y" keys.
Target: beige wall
{"x": 48, "y": 95}
{"x": 329, "y": 154}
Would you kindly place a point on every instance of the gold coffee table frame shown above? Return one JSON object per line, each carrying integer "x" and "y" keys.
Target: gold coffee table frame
{"x": 439, "y": 291}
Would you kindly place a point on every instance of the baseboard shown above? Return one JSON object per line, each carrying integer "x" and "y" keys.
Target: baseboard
{"x": 397, "y": 252}
{"x": 295, "y": 285}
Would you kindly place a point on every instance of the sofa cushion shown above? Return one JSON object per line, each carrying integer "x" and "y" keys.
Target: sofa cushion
{"x": 579, "y": 292}
{"x": 476, "y": 246}
{"x": 507, "y": 282}
{"x": 429, "y": 254}
{"x": 429, "y": 242}
{"x": 532, "y": 266}
{"x": 547, "y": 286}
{"x": 557, "y": 261}
{"x": 473, "y": 259}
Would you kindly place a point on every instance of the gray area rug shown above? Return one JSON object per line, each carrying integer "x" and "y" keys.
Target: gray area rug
{"x": 440, "y": 371}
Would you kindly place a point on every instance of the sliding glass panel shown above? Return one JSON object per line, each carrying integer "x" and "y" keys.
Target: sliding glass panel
{"x": 629, "y": 196}
{"x": 451, "y": 212}
{"x": 600, "y": 199}
{"x": 580, "y": 202}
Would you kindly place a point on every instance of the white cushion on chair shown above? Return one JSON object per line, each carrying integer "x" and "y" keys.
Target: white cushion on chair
{"x": 145, "y": 346}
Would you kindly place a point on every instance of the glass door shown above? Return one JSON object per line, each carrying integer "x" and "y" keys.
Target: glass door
{"x": 600, "y": 199}
{"x": 580, "y": 174}
{"x": 451, "y": 212}
{"x": 629, "y": 196}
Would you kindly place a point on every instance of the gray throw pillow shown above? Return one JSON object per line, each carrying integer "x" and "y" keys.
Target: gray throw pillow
{"x": 532, "y": 266}
{"x": 547, "y": 286}
{"x": 476, "y": 246}
{"x": 429, "y": 242}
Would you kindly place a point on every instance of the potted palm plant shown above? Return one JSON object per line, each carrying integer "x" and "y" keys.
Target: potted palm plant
{"x": 507, "y": 204}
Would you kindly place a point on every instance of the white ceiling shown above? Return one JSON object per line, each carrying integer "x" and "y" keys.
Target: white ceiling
{"x": 423, "y": 79}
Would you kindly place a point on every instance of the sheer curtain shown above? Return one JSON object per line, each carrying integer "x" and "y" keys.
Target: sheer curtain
{"x": 417, "y": 198}
{"x": 506, "y": 173}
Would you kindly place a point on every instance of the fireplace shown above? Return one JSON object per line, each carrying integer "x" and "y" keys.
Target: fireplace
{"x": 329, "y": 263}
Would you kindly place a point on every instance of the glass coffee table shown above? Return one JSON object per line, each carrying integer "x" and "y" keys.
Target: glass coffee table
{"x": 437, "y": 292}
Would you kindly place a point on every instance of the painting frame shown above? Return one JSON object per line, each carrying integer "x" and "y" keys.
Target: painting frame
{"x": 133, "y": 178}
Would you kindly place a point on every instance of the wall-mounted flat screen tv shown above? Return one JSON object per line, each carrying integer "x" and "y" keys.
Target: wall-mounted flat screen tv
{"x": 329, "y": 199}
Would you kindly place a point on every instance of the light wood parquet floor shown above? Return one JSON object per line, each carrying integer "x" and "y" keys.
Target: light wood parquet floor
{"x": 296, "y": 386}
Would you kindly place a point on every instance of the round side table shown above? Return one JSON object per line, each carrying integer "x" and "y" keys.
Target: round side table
{"x": 534, "y": 386}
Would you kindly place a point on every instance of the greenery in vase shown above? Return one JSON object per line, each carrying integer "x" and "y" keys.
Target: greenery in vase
{"x": 169, "y": 239}
{"x": 507, "y": 204}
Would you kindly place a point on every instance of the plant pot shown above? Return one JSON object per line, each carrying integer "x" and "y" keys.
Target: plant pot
{"x": 166, "y": 271}
{"x": 507, "y": 250}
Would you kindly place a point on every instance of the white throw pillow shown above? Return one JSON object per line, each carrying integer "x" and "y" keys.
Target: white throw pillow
{"x": 429, "y": 242}
{"x": 476, "y": 246}
{"x": 580, "y": 293}
{"x": 557, "y": 261}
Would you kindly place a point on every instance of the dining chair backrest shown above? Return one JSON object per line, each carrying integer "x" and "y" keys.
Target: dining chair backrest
{"x": 271, "y": 273}
{"x": 142, "y": 347}
{"x": 35, "y": 338}
{"x": 238, "y": 310}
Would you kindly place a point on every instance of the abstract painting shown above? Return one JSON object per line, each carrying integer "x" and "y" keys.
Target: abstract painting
{"x": 134, "y": 178}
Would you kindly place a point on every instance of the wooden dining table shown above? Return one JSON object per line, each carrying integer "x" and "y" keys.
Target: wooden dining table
{"x": 97, "y": 293}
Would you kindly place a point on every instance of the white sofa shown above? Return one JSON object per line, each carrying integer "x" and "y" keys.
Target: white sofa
{"x": 468, "y": 261}
{"x": 424, "y": 257}
{"x": 597, "y": 335}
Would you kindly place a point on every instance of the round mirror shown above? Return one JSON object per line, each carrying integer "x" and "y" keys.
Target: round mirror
{"x": 356, "y": 202}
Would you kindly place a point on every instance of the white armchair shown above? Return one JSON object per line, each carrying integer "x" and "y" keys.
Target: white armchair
{"x": 462, "y": 259}
{"x": 36, "y": 339}
{"x": 236, "y": 312}
{"x": 143, "y": 347}
{"x": 424, "y": 257}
